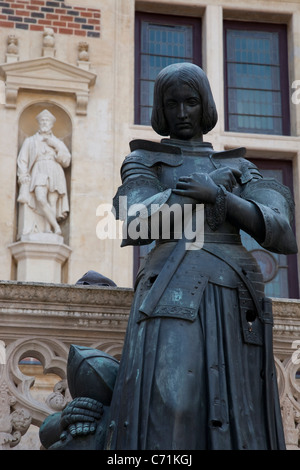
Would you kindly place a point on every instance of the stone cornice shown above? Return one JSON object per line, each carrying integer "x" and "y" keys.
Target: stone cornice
{"x": 80, "y": 313}
{"x": 47, "y": 74}
{"x": 65, "y": 294}
{"x": 286, "y": 314}
{"x": 287, "y": 308}
{"x": 70, "y": 313}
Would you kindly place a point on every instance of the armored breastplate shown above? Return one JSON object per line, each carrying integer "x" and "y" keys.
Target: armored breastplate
{"x": 193, "y": 160}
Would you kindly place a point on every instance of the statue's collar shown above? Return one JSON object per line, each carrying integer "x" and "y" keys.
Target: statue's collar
{"x": 179, "y": 147}
{"x": 172, "y": 146}
{"x": 42, "y": 134}
{"x": 189, "y": 145}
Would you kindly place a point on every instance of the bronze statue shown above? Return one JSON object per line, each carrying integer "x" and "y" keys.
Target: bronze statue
{"x": 197, "y": 369}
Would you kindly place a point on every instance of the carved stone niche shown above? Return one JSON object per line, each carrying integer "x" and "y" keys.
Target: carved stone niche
{"x": 47, "y": 74}
{"x": 40, "y": 253}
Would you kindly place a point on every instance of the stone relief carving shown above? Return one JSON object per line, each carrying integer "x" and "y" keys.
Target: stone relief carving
{"x": 48, "y": 42}
{"x": 83, "y": 51}
{"x": 100, "y": 298}
{"x": 13, "y": 424}
{"x": 12, "y": 44}
{"x": 19, "y": 406}
{"x": 83, "y": 55}
{"x": 289, "y": 391}
{"x": 12, "y": 50}
{"x": 42, "y": 183}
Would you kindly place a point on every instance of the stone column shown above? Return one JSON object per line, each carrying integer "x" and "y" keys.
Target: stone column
{"x": 213, "y": 60}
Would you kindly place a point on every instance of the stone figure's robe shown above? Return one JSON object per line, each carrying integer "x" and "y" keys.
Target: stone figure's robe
{"x": 45, "y": 166}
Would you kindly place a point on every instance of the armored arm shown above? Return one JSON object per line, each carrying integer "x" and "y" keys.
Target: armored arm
{"x": 275, "y": 204}
{"x": 264, "y": 209}
{"x": 141, "y": 198}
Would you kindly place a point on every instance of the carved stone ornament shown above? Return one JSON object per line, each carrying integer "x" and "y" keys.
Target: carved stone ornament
{"x": 12, "y": 49}
{"x": 47, "y": 74}
{"x": 83, "y": 55}
{"x": 289, "y": 390}
{"x": 48, "y": 42}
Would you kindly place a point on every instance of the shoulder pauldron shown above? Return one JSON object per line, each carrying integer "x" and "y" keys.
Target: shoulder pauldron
{"x": 235, "y": 158}
{"x": 150, "y": 153}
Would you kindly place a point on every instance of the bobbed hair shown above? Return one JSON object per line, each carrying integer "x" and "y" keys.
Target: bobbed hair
{"x": 193, "y": 76}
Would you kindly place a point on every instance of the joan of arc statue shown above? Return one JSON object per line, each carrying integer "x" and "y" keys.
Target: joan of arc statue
{"x": 197, "y": 369}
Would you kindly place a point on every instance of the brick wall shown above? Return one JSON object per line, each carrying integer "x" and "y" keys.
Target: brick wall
{"x": 35, "y": 15}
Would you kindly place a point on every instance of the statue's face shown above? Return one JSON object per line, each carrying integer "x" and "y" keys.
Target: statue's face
{"x": 183, "y": 112}
{"x": 46, "y": 124}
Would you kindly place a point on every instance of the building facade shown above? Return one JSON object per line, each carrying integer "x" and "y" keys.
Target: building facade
{"x": 92, "y": 65}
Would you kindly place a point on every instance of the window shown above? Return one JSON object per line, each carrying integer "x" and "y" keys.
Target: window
{"x": 256, "y": 78}
{"x": 161, "y": 40}
{"x": 279, "y": 271}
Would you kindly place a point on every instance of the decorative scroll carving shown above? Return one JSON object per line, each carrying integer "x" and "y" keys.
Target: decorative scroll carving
{"x": 81, "y": 102}
{"x": 60, "y": 396}
{"x": 11, "y": 94}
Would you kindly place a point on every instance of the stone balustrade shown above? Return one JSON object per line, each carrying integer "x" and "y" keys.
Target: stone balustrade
{"x": 39, "y": 322}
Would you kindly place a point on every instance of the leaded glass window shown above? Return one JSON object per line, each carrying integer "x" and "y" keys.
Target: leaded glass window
{"x": 161, "y": 41}
{"x": 256, "y": 94}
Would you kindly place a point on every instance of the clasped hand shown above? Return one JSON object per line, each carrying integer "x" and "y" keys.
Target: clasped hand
{"x": 203, "y": 187}
{"x": 80, "y": 417}
{"x": 50, "y": 141}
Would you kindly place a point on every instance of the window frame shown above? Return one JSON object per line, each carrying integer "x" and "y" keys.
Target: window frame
{"x": 284, "y": 74}
{"x": 157, "y": 18}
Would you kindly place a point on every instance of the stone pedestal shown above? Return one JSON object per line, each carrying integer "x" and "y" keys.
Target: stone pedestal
{"x": 40, "y": 257}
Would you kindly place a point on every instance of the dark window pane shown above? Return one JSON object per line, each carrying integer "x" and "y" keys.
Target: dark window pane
{"x": 255, "y": 89}
{"x": 161, "y": 41}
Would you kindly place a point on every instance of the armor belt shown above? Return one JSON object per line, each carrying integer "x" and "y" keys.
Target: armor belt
{"x": 182, "y": 297}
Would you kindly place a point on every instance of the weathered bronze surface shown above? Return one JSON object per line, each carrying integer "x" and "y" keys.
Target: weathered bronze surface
{"x": 197, "y": 370}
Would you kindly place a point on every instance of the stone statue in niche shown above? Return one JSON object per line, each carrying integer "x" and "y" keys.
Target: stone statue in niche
{"x": 42, "y": 183}
{"x": 197, "y": 369}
